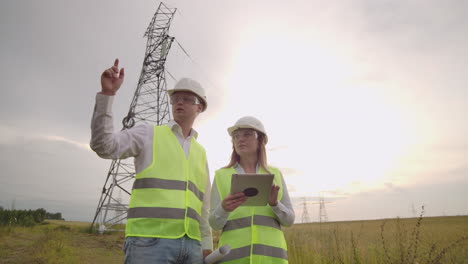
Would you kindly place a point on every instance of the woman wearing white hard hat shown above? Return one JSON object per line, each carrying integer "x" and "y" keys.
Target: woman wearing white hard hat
{"x": 252, "y": 232}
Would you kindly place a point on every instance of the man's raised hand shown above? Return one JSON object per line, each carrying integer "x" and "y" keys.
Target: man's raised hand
{"x": 112, "y": 79}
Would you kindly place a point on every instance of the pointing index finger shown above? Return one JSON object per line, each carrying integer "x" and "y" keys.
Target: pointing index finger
{"x": 122, "y": 73}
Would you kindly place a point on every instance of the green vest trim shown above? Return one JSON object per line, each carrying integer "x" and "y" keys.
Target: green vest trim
{"x": 167, "y": 197}
{"x": 253, "y": 232}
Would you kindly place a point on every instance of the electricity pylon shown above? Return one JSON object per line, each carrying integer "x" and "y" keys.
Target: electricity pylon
{"x": 323, "y": 217}
{"x": 149, "y": 104}
{"x": 305, "y": 213}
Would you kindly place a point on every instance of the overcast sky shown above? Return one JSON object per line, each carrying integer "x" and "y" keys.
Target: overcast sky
{"x": 365, "y": 101}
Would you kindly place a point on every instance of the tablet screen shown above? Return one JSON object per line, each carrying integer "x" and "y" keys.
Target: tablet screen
{"x": 255, "y": 186}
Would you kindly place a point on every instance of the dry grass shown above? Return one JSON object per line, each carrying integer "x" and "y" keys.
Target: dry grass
{"x": 430, "y": 240}
{"x": 60, "y": 242}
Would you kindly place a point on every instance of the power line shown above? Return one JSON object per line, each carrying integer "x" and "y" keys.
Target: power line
{"x": 196, "y": 64}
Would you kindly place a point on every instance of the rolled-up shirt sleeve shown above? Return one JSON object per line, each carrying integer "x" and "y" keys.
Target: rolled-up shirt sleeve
{"x": 218, "y": 216}
{"x": 109, "y": 144}
{"x": 284, "y": 209}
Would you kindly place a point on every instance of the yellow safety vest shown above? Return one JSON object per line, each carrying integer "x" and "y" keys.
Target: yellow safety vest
{"x": 167, "y": 196}
{"x": 253, "y": 232}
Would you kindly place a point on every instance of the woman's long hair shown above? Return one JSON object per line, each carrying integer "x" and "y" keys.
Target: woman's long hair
{"x": 261, "y": 154}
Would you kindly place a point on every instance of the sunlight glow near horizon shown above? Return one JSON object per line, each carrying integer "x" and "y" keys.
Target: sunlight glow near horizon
{"x": 339, "y": 135}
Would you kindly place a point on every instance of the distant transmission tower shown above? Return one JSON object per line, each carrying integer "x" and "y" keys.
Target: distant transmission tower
{"x": 322, "y": 212}
{"x": 305, "y": 213}
{"x": 149, "y": 104}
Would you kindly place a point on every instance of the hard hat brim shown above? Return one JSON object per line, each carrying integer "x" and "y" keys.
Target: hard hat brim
{"x": 235, "y": 127}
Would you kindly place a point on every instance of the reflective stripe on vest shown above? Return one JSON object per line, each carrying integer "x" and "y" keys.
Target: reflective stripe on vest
{"x": 161, "y": 212}
{"x": 258, "y": 249}
{"x": 167, "y": 196}
{"x": 246, "y": 222}
{"x": 167, "y": 184}
{"x": 253, "y": 232}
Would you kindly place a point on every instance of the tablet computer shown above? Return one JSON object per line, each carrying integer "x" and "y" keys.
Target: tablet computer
{"x": 255, "y": 186}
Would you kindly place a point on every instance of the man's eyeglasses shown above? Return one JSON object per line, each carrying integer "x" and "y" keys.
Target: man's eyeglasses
{"x": 186, "y": 99}
{"x": 249, "y": 133}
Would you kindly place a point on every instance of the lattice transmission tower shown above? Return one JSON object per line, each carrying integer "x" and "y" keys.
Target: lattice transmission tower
{"x": 150, "y": 104}
{"x": 323, "y": 217}
{"x": 305, "y": 213}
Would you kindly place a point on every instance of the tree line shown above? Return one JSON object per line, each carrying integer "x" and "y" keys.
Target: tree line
{"x": 26, "y": 217}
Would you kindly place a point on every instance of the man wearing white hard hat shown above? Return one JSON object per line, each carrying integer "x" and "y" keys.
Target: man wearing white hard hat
{"x": 253, "y": 232}
{"x": 167, "y": 220}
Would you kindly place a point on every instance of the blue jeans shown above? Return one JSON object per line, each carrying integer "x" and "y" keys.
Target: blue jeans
{"x": 146, "y": 250}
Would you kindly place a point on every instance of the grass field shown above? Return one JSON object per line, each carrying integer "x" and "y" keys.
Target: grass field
{"x": 402, "y": 241}
{"x": 416, "y": 240}
{"x": 59, "y": 242}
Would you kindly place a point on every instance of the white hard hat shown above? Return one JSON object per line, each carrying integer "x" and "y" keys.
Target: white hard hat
{"x": 248, "y": 122}
{"x": 189, "y": 85}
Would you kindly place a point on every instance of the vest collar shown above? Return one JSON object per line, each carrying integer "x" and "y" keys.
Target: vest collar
{"x": 241, "y": 170}
{"x": 172, "y": 124}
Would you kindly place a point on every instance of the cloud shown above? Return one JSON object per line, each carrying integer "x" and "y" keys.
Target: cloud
{"x": 68, "y": 141}
{"x": 51, "y": 172}
{"x": 289, "y": 172}
{"x": 412, "y": 54}
{"x": 335, "y": 194}
{"x": 391, "y": 201}
{"x": 277, "y": 148}
{"x": 450, "y": 148}
{"x": 17, "y": 135}
{"x": 392, "y": 187}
